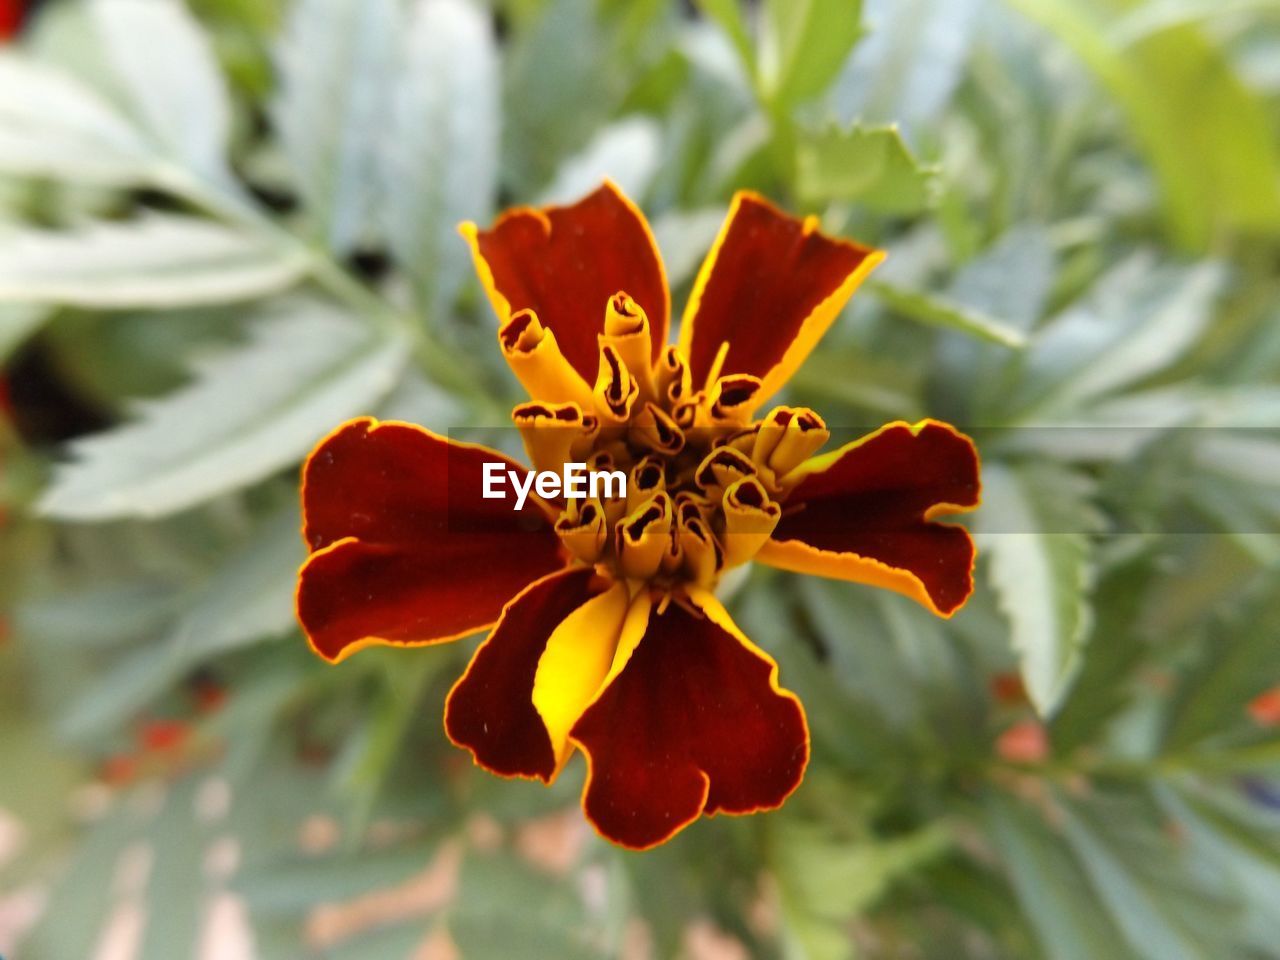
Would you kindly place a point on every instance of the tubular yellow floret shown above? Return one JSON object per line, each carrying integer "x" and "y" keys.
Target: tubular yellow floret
{"x": 749, "y": 519}
{"x": 616, "y": 390}
{"x": 642, "y": 537}
{"x": 626, "y": 330}
{"x": 534, "y": 357}
{"x": 549, "y": 432}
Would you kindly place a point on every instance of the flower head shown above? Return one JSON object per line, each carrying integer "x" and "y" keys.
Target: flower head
{"x": 606, "y": 632}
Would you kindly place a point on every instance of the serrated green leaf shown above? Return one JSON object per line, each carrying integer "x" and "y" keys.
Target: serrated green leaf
{"x": 336, "y": 63}
{"x": 1038, "y": 561}
{"x": 868, "y": 165}
{"x": 443, "y": 145}
{"x": 52, "y": 125}
{"x": 248, "y": 413}
{"x": 172, "y": 79}
{"x": 158, "y": 260}
{"x": 936, "y": 310}
{"x": 803, "y": 45}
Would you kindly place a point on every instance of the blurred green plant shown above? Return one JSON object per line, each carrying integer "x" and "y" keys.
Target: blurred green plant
{"x": 225, "y": 228}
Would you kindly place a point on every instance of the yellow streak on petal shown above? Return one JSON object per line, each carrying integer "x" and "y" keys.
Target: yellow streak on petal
{"x": 575, "y": 662}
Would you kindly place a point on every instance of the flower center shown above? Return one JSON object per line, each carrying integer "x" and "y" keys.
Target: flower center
{"x": 705, "y": 480}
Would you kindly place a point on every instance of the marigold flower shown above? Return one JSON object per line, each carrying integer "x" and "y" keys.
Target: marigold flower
{"x": 606, "y": 633}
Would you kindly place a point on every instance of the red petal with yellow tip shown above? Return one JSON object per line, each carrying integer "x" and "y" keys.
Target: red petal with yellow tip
{"x": 769, "y": 289}
{"x": 863, "y": 513}
{"x": 405, "y": 549}
{"x": 490, "y": 710}
{"x": 564, "y": 263}
{"x": 694, "y": 722}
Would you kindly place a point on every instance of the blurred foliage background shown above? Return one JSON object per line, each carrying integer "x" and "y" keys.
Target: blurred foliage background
{"x": 228, "y": 225}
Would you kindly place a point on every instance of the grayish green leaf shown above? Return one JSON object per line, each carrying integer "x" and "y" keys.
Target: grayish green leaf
{"x": 1012, "y": 280}
{"x": 728, "y": 14}
{"x": 171, "y": 77}
{"x": 936, "y": 310}
{"x": 1144, "y": 919}
{"x": 1138, "y": 321}
{"x": 443, "y": 148}
{"x": 248, "y": 413}
{"x": 628, "y": 152}
{"x": 251, "y": 595}
{"x": 336, "y": 64}
{"x": 1038, "y": 560}
{"x": 157, "y": 260}
{"x": 1051, "y": 889}
{"x": 18, "y": 321}
{"x": 52, "y": 125}
{"x": 908, "y": 65}
{"x": 685, "y": 239}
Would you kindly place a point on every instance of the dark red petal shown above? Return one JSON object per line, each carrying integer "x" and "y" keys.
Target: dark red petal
{"x": 863, "y": 513}
{"x": 769, "y": 288}
{"x": 406, "y": 550}
{"x": 490, "y": 709}
{"x": 564, "y": 263}
{"x": 695, "y": 722}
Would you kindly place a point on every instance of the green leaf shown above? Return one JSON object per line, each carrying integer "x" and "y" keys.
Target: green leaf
{"x": 157, "y": 260}
{"x": 247, "y": 598}
{"x": 939, "y": 311}
{"x": 51, "y": 125}
{"x": 336, "y": 63}
{"x": 1152, "y": 18}
{"x": 627, "y": 152}
{"x": 443, "y": 147}
{"x": 803, "y": 45}
{"x": 869, "y": 165}
{"x": 1235, "y": 665}
{"x": 1138, "y": 320}
{"x": 684, "y": 238}
{"x": 728, "y": 14}
{"x": 1038, "y": 561}
{"x": 1051, "y": 889}
{"x": 247, "y": 414}
{"x": 505, "y": 909}
{"x": 1221, "y": 172}
{"x": 18, "y": 322}
{"x": 1116, "y": 649}
{"x": 1146, "y": 909}
{"x": 826, "y": 881}
{"x": 171, "y": 78}
{"x": 567, "y": 47}
{"x": 909, "y": 64}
